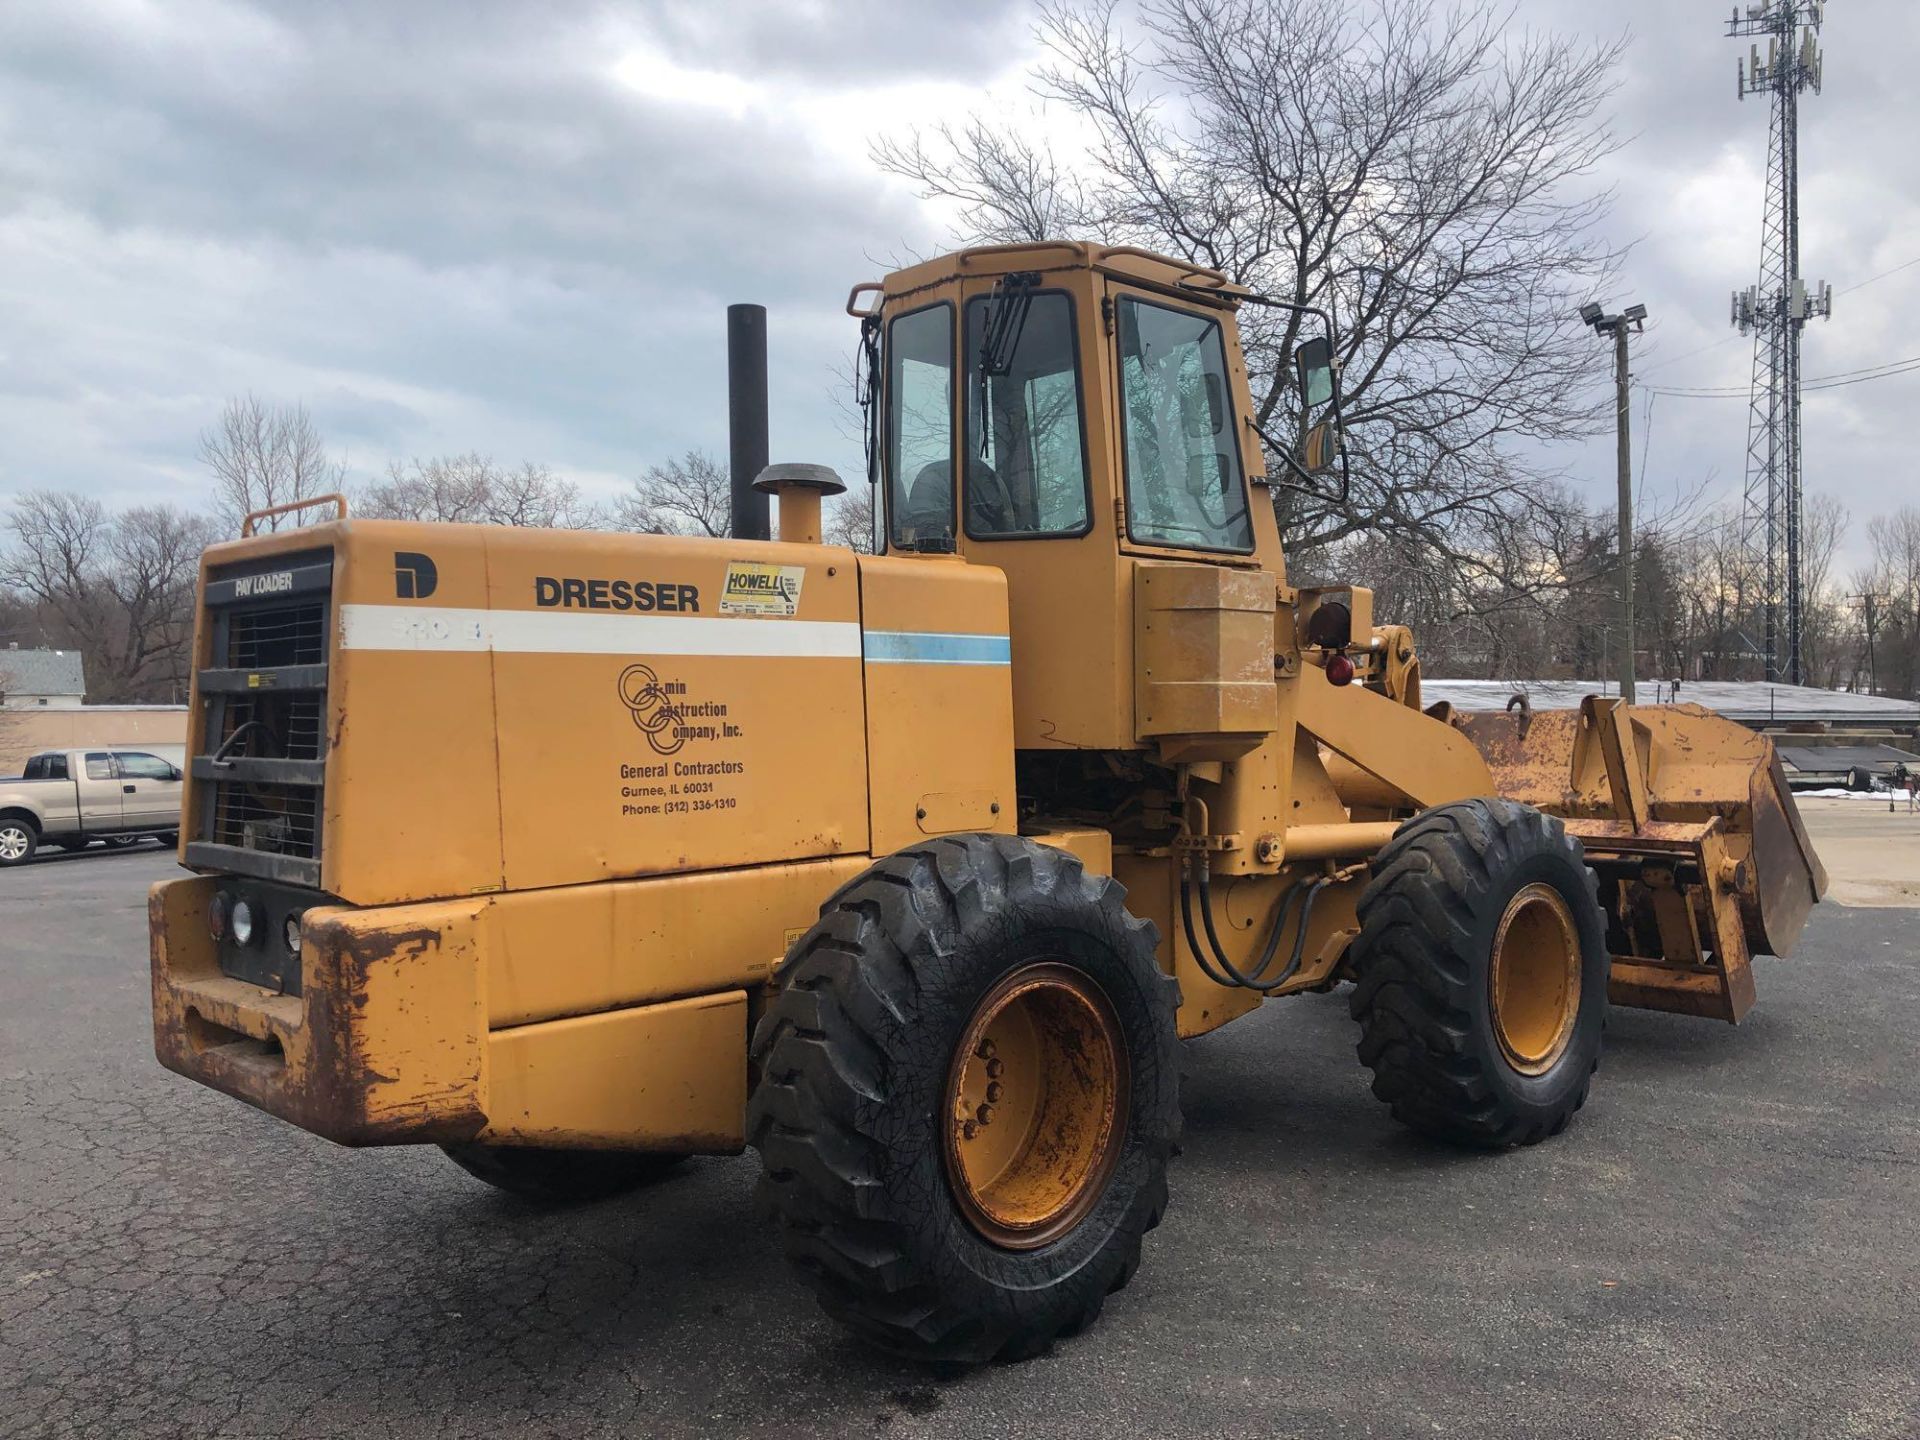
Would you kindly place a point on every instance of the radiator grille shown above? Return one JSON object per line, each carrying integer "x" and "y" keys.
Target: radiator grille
{"x": 259, "y": 770}
{"x": 267, "y": 818}
{"x": 289, "y": 725}
{"x": 266, "y": 638}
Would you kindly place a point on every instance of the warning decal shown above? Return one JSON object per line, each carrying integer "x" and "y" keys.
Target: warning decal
{"x": 756, "y": 589}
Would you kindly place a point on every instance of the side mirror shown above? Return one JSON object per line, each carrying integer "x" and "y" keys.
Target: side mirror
{"x": 174, "y": 773}
{"x": 1314, "y": 361}
{"x": 1317, "y": 449}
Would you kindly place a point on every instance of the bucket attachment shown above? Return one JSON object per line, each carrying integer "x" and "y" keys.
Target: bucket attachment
{"x": 1688, "y": 821}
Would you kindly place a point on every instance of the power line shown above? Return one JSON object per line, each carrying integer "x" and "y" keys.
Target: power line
{"x": 1908, "y": 265}
{"x": 1817, "y": 382}
{"x": 1662, "y": 364}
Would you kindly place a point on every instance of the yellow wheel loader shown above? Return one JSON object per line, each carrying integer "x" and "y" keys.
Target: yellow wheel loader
{"x": 577, "y": 854}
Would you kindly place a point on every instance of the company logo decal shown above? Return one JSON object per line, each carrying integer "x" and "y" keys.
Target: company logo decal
{"x": 577, "y": 593}
{"x": 756, "y": 589}
{"x": 663, "y": 712}
{"x": 415, "y": 576}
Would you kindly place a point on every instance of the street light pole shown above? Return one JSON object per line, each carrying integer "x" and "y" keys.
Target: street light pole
{"x": 1621, "y": 423}
{"x": 1617, "y": 326}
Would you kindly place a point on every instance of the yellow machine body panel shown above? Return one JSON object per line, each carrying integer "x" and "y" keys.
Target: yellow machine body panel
{"x": 939, "y": 711}
{"x": 575, "y": 706}
{"x": 1204, "y": 651}
{"x": 412, "y": 800}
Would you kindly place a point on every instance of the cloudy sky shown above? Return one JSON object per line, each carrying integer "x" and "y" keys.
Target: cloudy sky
{"x": 514, "y": 228}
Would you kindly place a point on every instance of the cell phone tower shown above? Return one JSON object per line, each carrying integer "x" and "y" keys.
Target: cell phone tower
{"x": 1774, "y": 312}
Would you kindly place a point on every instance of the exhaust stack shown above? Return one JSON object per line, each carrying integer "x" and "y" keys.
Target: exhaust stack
{"x": 747, "y": 417}
{"x": 801, "y": 488}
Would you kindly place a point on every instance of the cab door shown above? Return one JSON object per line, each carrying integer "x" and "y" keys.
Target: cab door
{"x": 99, "y": 785}
{"x": 149, "y": 790}
{"x": 1179, "y": 379}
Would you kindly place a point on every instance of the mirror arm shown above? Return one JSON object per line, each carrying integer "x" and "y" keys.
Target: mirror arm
{"x": 1310, "y": 487}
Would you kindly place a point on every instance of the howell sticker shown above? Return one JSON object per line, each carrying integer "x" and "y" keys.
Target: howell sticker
{"x": 756, "y": 589}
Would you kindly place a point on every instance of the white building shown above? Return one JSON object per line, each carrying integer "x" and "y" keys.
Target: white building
{"x": 41, "y": 679}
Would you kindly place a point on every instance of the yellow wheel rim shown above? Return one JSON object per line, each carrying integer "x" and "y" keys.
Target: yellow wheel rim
{"x": 1534, "y": 983}
{"x": 1034, "y": 1118}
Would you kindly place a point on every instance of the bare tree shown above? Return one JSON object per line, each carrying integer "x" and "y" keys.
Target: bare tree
{"x": 263, "y": 455}
{"x": 692, "y": 495}
{"x": 849, "y": 519}
{"x": 1893, "y": 579}
{"x": 534, "y": 495}
{"x": 472, "y": 488}
{"x": 1823, "y": 620}
{"x": 1420, "y": 172}
{"x": 121, "y": 586}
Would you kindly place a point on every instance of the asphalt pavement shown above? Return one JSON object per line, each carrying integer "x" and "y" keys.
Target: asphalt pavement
{"x": 1727, "y": 1242}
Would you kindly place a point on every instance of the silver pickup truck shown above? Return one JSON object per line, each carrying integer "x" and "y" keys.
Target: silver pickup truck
{"x": 70, "y": 798}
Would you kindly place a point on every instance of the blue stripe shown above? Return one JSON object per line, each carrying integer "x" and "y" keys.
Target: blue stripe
{"x": 914, "y": 647}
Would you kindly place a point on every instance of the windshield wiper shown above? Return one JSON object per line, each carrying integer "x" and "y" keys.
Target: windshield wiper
{"x": 1006, "y": 320}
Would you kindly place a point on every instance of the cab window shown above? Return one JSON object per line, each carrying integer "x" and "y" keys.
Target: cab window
{"x": 1184, "y": 485}
{"x": 920, "y": 429}
{"x": 45, "y": 767}
{"x": 1026, "y": 454}
{"x": 99, "y": 766}
{"x": 135, "y": 765}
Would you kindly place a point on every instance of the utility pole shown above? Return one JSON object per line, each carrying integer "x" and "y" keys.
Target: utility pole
{"x": 1633, "y": 317}
{"x": 1867, "y": 602}
{"x": 1774, "y": 312}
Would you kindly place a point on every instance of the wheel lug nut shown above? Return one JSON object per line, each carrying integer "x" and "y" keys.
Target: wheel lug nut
{"x": 994, "y": 1067}
{"x": 969, "y": 1130}
{"x": 985, "y": 1050}
{"x": 993, "y": 1092}
{"x": 985, "y": 1114}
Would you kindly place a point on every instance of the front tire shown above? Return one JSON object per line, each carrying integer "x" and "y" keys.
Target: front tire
{"x": 1481, "y": 974}
{"x": 559, "y": 1177}
{"x": 968, "y": 1092}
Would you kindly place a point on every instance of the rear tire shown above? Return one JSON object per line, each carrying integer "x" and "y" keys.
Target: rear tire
{"x": 560, "y": 1177}
{"x": 18, "y": 841}
{"x": 1481, "y": 974}
{"x": 169, "y": 838}
{"x": 928, "y": 1234}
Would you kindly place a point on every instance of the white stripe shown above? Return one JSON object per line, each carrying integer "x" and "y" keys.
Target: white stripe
{"x": 558, "y": 632}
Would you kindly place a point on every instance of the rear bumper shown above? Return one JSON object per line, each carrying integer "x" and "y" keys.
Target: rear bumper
{"x": 389, "y": 1042}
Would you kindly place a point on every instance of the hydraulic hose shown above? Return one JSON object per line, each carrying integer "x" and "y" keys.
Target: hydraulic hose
{"x": 1255, "y": 980}
{"x": 1214, "y": 954}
